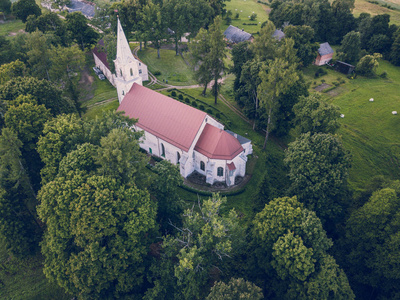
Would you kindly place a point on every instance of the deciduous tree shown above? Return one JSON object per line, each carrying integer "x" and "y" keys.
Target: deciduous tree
{"x": 235, "y": 289}
{"x": 350, "y": 48}
{"x": 368, "y": 64}
{"x": 84, "y": 35}
{"x": 23, "y": 8}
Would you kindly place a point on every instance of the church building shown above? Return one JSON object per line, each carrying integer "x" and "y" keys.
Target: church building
{"x": 183, "y": 135}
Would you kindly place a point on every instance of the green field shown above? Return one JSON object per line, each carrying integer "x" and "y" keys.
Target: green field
{"x": 363, "y": 6}
{"x": 11, "y": 27}
{"x": 173, "y": 68}
{"x": 369, "y": 130}
{"x": 245, "y": 8}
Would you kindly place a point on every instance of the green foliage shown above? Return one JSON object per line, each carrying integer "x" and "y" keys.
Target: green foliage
{"x": 96, "y": 235}
{"x": 5, "y": 6}
{"x": 368, "y": 64}
{"x": 23, "y": 8}
{"x": 235, "y": 289}
{"x": 318, "y": 170}
{"x": 315, "y": 115}
{"x": 372, "y": 234}
{"x": 60, "y": 136}
{"x": 82, "y": 34}
{"x": 395, "y": 50}
{"x": 82, "y": 159}
{"x": 350, "y": 48}
{"x": 11, "y": 70}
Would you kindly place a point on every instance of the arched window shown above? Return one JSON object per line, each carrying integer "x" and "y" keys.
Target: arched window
{"x": 131, "y": 72}
{"x": 178, "y": 157}
{"x": 120, "y": 71}
{"x": 202, "y": 166}
{"x": 220, "y": 171}
{"x": 123, "y": 93}
{"x": 140, "y": 71}
{"x": 162, "y": 150}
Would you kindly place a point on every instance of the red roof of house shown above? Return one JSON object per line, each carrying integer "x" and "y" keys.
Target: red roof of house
{"x": 217, "y": 144}
{"x": 99, "y": 51}
{"x": 164, "y": 117}
{"x": 231, "y": 166}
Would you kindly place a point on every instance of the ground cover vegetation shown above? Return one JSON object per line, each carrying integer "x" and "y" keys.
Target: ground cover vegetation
{"x": 112, "y": 226}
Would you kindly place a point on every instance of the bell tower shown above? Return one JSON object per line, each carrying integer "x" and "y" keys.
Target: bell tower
{"x": 126, "y": 66}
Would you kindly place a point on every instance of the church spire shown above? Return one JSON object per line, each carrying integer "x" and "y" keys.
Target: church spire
{"x": 124, "y": 53}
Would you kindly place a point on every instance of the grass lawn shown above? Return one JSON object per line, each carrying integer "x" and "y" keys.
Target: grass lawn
{"x": 245, "y": 8}
{"x": 376, "y": 9}
{"x": 369, "y": 130}
{"x": 24, "y": 279}
{"x": 173, "y": 68}
{"x": 11, "y": 27}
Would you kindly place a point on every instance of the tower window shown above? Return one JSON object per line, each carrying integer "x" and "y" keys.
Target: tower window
{"x": 131, "y": 72}
{"x": 202, "y": 166}
{"x": 178, "y": 157}
{"x": 123, "y": 93}
{"x": 140, "y": 71}
{"x": 140, "y": 64}
{"x": 220, "y": 171}
{"x": 162, "y": 150}
{"x": 120, "y": 71}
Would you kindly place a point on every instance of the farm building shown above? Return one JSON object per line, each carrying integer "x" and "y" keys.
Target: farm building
{"x": 235, "y": 35}
{"x": 325, "y": 54}
{"x": 344, "y": 68}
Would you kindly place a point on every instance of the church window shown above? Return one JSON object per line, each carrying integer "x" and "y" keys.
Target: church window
{"x": 202, "y": 166}
{"x": 123, "y": 93}
{"x": 120, "y": 71}
{"x": 162, "y": 150}
{"x": 178, "y": 157}
{"x": 131, "y": 72}
{"x": 220, "y": 171}
{"x": 150, "y": 151}
{"x": 140, "y": 71}
{"x": 140, "y": 64}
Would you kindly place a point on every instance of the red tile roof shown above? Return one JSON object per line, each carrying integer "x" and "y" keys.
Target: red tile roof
{"x": 100, "y": 52}
{"x": 231, "y": 166}
{"x": 217, "y": 144}
{"x": 164, "y": 117}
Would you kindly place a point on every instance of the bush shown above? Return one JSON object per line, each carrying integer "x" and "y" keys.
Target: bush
{"x": 237, "y": 16}
{"x": 173, "y": 94}
{"x": 187, "y": 100}
{"x": 180, "y": 97}
{"x": 253, "y": 16}
{"x": 209, "y": 111}
{"x": 156, "y": 73}
{"x": 335, "y": 83}
{"x": 194, "y": 103}
{"x": 320, "y": 72}
{"x": 218, "y": 115}
{"x": 383, "y": 75}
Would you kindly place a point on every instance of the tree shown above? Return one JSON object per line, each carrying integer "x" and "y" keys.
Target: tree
{"x": 235, "y": 289}
{"x": 203, "y": 246}
{"x": 395, "y": 50}
{"x": 60, "y": 136}
{"x": 119, "y": 156}
{"x": 315, "y": 115}
{"x": 12, "y": 70}
{"x": 380, "y": 43}
{"x": 209, "y": 51}
{"x": 303, "y": 37}
{"x": 50, "y": 22}
{"x": 27, "y": 120}
{"x": 265, "y": 45}
{"x": 350, "y": 47}
{"x": 5, "y": 7}
{"x": 23, "y": 8}
{"x": 17, "y": 224}
{"x": 155, "y": 24}
{"x": 80, "y": 32}
{"x": 368, "y": 64}
{"x": 97, "y": 234}
{"x": 43, "y": 91}
{"x": 276, "y": 77}
{"x": 343, "y": 14}
{"x": 164, "y": 188}
{"x": 318, "y": 170}
{"x": 372, "y": 238}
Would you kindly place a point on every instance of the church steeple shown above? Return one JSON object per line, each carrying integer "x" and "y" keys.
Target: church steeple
{"x": 124, "y": 53}
{"x": 126, "y": 65}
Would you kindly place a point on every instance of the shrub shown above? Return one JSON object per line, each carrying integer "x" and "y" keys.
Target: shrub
{"x": 180, "y": 97}
{"x": 156, "y": 73}
{"x": 383, "y": 75}
{"x": 253, "y": 16}
{"x": 194, "y": 103}
{"x": 173, "y": 94}
{"x": 209, "y": 111}
{"x": 335, "y": 83}
{"x": 187, "y": 100}
{"x": 201, "y": 107}
{"x": 237, "y": 16}
{"x": 218, "y": 115}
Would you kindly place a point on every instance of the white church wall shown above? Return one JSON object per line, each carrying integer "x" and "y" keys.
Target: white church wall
{"x": 143, "y": 72}
{"x": 106, "y": 71}
{"x": 214, "y": 122}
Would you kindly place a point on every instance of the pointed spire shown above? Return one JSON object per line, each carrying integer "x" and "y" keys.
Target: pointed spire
{"x": 124, "y": 52}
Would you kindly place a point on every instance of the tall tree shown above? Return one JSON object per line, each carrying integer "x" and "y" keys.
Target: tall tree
{"x": 395, "y": 50}
{"x": 315, "y": 115}
{"x": 276, "y": 77}
{"x": 350, "y": 48}
{"x": 84, "y": 35}
{"x": 318, "y": 170}
{"x": 235, "y": 289}
{"x": 39, "y": 45}
{"x": 50, "y": 22}
{"x": 23, "y": 8}
{"x": 97, "y": 234}
{"x": 368, "y": 64}
{"x": 11, "y": 70}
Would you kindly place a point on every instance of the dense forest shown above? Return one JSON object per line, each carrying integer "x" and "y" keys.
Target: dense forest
{"x": 108, "y": 224}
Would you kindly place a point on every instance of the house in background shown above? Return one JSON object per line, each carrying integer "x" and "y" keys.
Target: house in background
{"x": 235, "y": 35}
{"x": 325, "y": 54}
{"x": 278, "y": 34}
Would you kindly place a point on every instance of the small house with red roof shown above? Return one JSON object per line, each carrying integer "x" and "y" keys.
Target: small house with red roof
{"x": 325, "y": 54}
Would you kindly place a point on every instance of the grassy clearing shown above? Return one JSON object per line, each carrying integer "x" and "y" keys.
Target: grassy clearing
{"x": 11, "y": 27}
{"x": 172, "y": 68}
{"x": 369, "y": 130}
{"x": 363, "y": 6}
{"x": 24, "y": 279}
{"x": 245, "y": 8}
